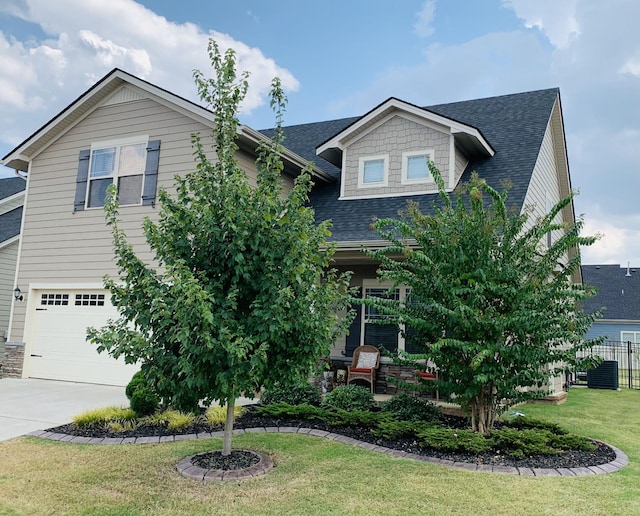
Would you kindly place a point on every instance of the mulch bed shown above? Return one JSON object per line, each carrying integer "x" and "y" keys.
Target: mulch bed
{"x": 569, "y": 459}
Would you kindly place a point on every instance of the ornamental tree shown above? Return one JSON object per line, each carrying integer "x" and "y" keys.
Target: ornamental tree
{"x": 242, "y": 296}
{"x": 491, "y": 299}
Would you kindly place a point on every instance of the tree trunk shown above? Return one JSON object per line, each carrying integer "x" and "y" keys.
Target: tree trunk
{"x": 228, "y": 427}
{"x": 483, "y": 411}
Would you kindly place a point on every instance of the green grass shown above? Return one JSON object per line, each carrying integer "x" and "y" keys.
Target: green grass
{"x": 317, "y": 476}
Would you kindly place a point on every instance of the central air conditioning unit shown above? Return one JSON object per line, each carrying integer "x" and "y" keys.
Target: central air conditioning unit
{"x": 605, "y": 376}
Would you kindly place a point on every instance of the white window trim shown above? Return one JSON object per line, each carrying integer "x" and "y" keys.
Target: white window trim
{"x": 380, "y": 184}
{"x": 117, "y": 143}
{"x": 405, "y": 167}
{"x": 636, "y": 335}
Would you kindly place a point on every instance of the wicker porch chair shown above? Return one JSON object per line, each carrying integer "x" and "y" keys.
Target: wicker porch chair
{"x": 366, "y": 360}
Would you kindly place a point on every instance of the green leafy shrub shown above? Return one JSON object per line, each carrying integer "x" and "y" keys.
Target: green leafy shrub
{"x": 406, "y": 407}
{"x": 453, "y": 440}
{"x": 355, "y": 418}
{"x": 122, "y": 425}
{"x": 99, "y": 417}
{"x": 292, "y": 394}
{"x": 524, "y": 423}
{"x": 571, "y": 442}
{"x": 399, "y": 429}
{"x": 172, "y": 419}
{"x": 137, "y": 380}
{"x": 286, "y": 410}
{"x": 523, "y": 443}
{"x": 216, "y": 415}
{"x": 143, "y": 401}
{"x": 349, "y": 397}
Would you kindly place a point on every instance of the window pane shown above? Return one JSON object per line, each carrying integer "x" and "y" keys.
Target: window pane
{"x": 381, "y": 336}
{"x": 130, "y": 190}
{"x": 132, "y": 159}
{"x": 417, "y": 167}
{"x": 371, "y": 312}
{"x": 98, "y": 191}
{"x": 103, "y": 162}
{"x": 373, "y": 171}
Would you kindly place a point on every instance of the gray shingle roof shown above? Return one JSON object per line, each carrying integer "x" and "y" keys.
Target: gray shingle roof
{"x": 10, "y": 224}
{"x": 11, "y": 186}
{"x": 617, "y": 292}
{"x": 514, "y": 125}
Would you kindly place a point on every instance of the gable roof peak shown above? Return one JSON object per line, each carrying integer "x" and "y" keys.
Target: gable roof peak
{"x": 331, "y": 149}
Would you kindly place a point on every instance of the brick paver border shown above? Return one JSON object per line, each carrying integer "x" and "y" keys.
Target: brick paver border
{"x": 619, "y": 462}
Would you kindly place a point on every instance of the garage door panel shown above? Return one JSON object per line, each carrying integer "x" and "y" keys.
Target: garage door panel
{"x": 60, "y": 350}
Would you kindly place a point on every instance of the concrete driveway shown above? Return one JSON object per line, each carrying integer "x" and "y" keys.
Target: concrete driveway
{"x": 27, "y": 405}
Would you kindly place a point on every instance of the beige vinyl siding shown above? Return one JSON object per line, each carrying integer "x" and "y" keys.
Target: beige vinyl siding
{"x": 63, "y": 247}
{"x": 11, "y": 203}
{"x": 544, "y": 181}
{"x": 8, "y": 259}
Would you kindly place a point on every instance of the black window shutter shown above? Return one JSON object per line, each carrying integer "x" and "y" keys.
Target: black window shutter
{"x": 151, "y": 173}
{"x": 81, "y": 180}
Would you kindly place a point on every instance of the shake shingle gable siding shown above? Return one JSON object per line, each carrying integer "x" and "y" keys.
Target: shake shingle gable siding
{"x": 514, "y": 125}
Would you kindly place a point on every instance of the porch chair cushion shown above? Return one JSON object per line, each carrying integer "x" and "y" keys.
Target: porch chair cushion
{"x": 367, "y": 360}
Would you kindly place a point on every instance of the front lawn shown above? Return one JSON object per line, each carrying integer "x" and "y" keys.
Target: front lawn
{"x": 317, "y": 476}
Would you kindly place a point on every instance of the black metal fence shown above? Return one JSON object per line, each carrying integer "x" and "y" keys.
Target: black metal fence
{"x": 627, "y": 356}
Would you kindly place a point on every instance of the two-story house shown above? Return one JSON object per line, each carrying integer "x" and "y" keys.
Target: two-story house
{"x": 137, "y": 135}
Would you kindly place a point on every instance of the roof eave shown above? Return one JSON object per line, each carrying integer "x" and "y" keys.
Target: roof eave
{"x": 255, "y": 137}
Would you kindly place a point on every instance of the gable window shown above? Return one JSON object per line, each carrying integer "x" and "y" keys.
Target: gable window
{"x": 120, "y": 163}
{"x": 131, "y": 164}
{"x": 415, "y": 168}
{"x": 373, "y": 171}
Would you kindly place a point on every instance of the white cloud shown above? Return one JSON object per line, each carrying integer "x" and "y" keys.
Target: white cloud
{"x": 108, "y": 54}
{"x": 423, "y": 26}
{"x": 619, "y": 242}
{"x": 87, "y": 38}
{"x": 556, "y": 19}
{"x": 632, "y": 65}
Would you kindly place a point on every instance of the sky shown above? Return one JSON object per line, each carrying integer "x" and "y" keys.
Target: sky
{"x": 339, "y": 58}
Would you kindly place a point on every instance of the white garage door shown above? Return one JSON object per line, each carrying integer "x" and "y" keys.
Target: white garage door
{"x": 59, "y": 349}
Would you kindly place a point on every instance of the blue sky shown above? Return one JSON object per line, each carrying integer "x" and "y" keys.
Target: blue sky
{"x": 340, "y": 58}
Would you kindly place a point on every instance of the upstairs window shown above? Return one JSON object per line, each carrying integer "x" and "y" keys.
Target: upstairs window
{"x": 415, "y": 167}
{"x": 121, "y": 163}
{"x": 131, "y": 164}
{"x": 373, "y": 171}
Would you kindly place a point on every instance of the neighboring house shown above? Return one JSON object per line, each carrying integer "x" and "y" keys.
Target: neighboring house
{"x": 11, "y": 202}
{"x": 364, "y": 167}
{"x": 619, "y": 297}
